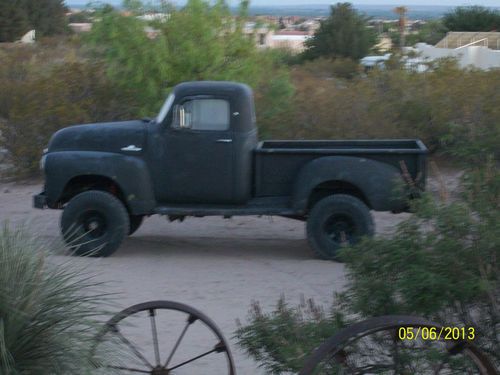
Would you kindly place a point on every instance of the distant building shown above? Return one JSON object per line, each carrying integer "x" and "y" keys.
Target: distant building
{"x": 293, "y": 40}
{"x": 370, "y": 62}
{"x": 80, "y": 27}
{"x": 384, "y": 44}
{"x": 148, "y": 17}
{"x": 455, "y": 40}
{"x": 151, "y": 33}
{"x": 477, "y": 56}
{"x": 266, "y": 37}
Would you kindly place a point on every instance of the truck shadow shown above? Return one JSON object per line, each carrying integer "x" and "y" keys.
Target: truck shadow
{"x": 241, "y": 248}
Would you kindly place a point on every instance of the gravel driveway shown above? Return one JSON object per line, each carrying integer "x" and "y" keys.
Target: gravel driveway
{"x": 216, "y": 265}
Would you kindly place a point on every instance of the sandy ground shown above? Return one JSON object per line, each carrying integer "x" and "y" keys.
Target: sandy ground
{"x": 218, "y": 266}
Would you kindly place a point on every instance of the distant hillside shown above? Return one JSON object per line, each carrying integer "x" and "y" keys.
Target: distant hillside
{"x": 312, "y": 10}
{"x": 375, "y": 11}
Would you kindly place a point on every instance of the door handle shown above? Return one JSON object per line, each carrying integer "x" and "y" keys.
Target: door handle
{"x": 224, "y": 140}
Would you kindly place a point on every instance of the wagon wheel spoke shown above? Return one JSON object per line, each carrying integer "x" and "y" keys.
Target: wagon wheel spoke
{"x": 155, "y": 336}
{"x": 136, "y": 362}
{"x": 129, "y": 369}
{"x": 191, "y": 319}
{"x": 132, "y": 347}
{"x": 217, "y": 349}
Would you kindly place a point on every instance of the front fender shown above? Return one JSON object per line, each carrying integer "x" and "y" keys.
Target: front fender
{"x": 377, "y": 181}
{"x": 129, "y": 173}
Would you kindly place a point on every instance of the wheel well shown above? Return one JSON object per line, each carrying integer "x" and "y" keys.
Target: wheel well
{"x": 335, "y": 187}
{"x": 80, "y": 184}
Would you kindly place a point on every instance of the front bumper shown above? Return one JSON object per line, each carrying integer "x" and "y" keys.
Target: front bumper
{"x": 40, "y": 200}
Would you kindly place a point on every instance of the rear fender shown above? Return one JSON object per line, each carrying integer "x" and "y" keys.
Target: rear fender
{"x": 379, "y": 183}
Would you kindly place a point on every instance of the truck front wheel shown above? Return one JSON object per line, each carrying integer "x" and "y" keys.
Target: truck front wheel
{"x": 94, "y": 223}
{"x": 335, "y": 221}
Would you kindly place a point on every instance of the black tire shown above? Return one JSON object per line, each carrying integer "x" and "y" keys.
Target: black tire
{"x": 135, "y": 223}
{"x": 337, "y": 220}
{"x": 94, "y": 223}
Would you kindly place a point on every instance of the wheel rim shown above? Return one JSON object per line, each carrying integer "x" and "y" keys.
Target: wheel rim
{"x": 93, "y": 224}
{"x": 164, "y": 362}
{"x": 340, "y": 229}
{"x": 353, "y": 350}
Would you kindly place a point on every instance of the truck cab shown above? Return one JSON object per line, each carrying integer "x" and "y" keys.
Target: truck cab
{"x": 200, "y": 156}
{"x": 202, "y": 144}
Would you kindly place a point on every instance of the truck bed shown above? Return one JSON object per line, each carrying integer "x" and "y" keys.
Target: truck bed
{"x": 277, "y": 163}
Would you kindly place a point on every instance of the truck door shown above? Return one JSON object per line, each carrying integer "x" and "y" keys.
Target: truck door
{"x": 199, "y": 152}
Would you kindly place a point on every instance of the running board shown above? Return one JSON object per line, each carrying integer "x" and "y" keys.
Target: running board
{"x": 258, "y": 206}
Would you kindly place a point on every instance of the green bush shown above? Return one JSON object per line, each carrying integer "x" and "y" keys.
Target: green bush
{"x": 49, "y": 312}
{"x": 282, "y": 339}
{"x": 442, "y": 263}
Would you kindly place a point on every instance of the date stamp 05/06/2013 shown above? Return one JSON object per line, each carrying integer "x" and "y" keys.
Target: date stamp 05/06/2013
{"x": 435, "y": 334}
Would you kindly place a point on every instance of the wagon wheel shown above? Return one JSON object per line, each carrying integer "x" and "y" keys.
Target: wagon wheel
{"x": 208, "y": 349}
{"x": 373, "y": 347}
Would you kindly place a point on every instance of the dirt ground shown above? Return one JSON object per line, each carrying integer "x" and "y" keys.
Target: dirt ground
{"x": 218, "y": 266}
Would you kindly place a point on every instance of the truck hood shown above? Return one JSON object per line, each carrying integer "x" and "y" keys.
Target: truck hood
{"x": 117, "y": 137}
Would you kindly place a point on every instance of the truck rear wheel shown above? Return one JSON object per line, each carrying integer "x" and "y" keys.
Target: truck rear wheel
{"x": 335, "y": 221}
{"x": 94, "y": 223}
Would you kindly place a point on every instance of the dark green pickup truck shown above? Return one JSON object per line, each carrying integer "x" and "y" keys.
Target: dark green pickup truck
{"x": 201, "y": 157}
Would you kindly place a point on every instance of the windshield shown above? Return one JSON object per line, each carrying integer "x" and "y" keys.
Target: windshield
{"x": 164, "y": 110}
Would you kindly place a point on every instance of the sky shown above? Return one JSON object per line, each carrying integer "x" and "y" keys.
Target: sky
{"x": 368, "y": 2}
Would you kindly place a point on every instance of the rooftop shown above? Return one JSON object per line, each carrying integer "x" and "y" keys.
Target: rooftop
{"x": 455, "y": 39}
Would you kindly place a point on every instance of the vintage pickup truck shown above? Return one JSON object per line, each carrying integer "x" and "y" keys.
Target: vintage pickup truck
{"x": 201, "y": 156}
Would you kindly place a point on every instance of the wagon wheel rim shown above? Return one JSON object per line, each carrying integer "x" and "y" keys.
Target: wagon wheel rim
{"x": 164, "y": 364}
{"x": 334, "y": 353}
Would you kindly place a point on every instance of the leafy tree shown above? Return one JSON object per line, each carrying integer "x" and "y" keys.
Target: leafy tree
{"x": 17, "y": 17}
{"x": 343, "y": 34}
{"x": 47, "y": 17}
{"x": 199, "y": 42}
{"x": 138, "y": 65}
{"x": 13, "y": 20}
{"x": 431, "y": 33}
{"x": 473, "y": 18}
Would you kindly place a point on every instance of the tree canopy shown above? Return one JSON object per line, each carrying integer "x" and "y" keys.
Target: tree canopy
{"x": 17, "y": 17}
{"x": 473, "y": 18}
{"x": 201, "y": 41}
{"x": 344, "y": 33}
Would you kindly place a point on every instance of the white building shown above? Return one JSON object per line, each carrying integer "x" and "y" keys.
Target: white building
{"x": 480, "y": 57}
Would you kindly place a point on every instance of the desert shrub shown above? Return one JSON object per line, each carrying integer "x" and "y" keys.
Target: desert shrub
{"x": 49, "y": 313}
{"x": 280, "y": 340}
{"x": 42, "y": 94}
{"x": 441, "y": 263}
{"x": 447, "y": 107}
{"x": 345, "y": 68}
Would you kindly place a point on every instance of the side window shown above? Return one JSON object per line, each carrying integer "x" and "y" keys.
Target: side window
{"x": 203, "y": 114}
